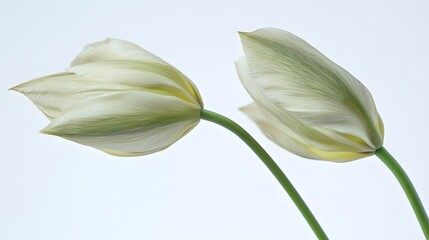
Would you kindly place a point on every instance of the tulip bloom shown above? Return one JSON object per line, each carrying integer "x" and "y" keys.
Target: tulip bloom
{"x": 304, "y": 102}
{"x": 119, "y": 98}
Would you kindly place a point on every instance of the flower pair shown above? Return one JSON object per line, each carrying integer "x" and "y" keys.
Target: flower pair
{"x": 121, "y": 99}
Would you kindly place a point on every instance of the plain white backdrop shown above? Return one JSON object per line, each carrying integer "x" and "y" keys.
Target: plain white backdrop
{"x": 209, "y": 185}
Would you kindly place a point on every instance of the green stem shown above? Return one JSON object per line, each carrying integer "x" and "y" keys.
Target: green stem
{"x": 269, "y": 162}
{"x": 407, "y": 186}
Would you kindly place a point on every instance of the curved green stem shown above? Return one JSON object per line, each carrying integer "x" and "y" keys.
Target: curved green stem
{"x": 272, "y": 166}
{"x": 407, "y": 186}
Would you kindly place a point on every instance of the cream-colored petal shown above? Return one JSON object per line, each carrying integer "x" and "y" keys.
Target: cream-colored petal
{"x": 309, "y": 86}
{"x": 114, "y": 49}
{"x": 278, "y": 133}
{"x": 126, "y": 123}
{"x": 141, "y": 74}
{"x": 57, "y": 93}
{"x": 123, "y": 52}
{"x": 145, "y": 143}
{"x": 324, "y": 139}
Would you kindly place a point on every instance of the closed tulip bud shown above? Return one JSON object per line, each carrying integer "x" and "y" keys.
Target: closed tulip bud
{"x": 304, "y": 102}
{"x": 118, "y": 98}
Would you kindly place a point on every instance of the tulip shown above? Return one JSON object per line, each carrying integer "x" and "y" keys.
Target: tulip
{"x": 314, "y": 108}
{"x": 119, "y": 98}
{"x": 304, "y": 102}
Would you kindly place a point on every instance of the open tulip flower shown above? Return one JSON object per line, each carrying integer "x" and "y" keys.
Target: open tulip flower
{"x": 312, "y": 107}
{"x": 119, "y": 98}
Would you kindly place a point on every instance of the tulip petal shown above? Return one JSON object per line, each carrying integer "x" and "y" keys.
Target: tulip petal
{"x": 275, "y": 130}
{"x": 93, "y": 56}
{"x": 325, "y": 139}
{"x": 57, "y": 93}
{"x": 114, "y": 49}
{"x": 315, "y": 91}
{"x": 140, "y": 74}
{"x": 126, "y": 123}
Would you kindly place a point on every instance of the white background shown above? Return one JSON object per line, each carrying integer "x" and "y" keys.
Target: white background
{"x": 209, "y": 185}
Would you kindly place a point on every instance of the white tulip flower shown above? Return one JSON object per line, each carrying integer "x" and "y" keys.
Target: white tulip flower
{"x": 304, "y": 102}
{"x": 119, "y": 98}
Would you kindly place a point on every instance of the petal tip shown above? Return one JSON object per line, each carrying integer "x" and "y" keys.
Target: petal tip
{"x": 239, "y": 61}
{"x": 48, "y": 130}
{"x": 247, "y": 108}
{"x": 244, "y": 34}
{"x": 13, "y": 89}
{"x": 45, "y": 131}
{"x": 110, "y": 40}
{"x": 243, "y": 108}
{"x": 16, "y": 88}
